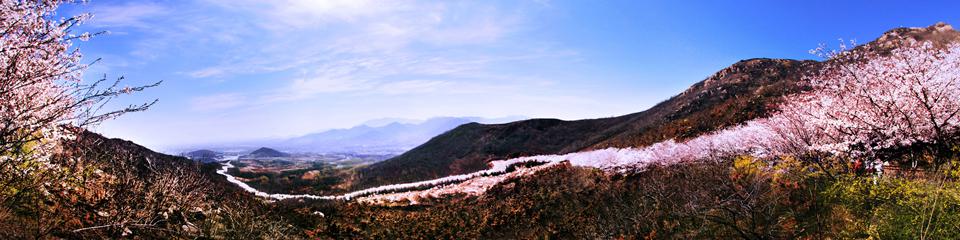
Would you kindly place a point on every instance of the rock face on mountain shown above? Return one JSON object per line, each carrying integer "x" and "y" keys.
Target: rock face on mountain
{"x": 266, "y": 153}
{"x": 746, "y": 90}
{"x": 939, "y": 34}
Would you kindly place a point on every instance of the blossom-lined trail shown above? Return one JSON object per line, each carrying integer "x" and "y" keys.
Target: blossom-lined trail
{"x": 499, "y": 167}
{"x": 230, "y": 178}
{"x": 817, "y": 120}
{"x": 754, "y": 138}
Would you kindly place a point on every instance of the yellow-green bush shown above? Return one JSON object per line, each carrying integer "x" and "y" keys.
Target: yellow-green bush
{"x": 895, "y": 208}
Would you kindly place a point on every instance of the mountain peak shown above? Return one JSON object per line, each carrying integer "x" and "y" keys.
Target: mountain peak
{"x": 940, "y": 34}
{"x": 265, "y": 152}
{"x": 744, "y": 70}
{"x": 937, "y": 28}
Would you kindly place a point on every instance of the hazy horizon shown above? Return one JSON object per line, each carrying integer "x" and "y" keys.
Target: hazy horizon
{"x": 276, "y": 141}
{"x": 238, "y": 70}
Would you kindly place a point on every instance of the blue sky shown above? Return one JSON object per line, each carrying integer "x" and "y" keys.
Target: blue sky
{"x": 247, "y": 69}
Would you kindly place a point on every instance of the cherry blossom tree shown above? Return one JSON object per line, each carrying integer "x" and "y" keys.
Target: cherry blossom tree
{"x": 873, "y": 104}
{"x": 42, "y": 95}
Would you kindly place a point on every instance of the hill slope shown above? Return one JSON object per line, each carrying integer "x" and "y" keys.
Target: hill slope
{"x": 115, "y": 188}
{"x": 741, "y": 92}
{"x": 265, "y": 152}
{"x": 746, "y": 90}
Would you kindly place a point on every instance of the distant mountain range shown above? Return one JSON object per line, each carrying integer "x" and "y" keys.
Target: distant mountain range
{"x": 400, "y": 135}
{"x": 378, "y": 136}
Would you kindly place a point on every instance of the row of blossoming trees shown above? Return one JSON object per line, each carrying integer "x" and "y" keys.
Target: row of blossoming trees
{"x": 864, "y": 108}
{"x": 876, "y": 106}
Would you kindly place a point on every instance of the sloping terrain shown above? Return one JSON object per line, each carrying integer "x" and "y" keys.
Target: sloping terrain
{"x": 122, "y": 189}
{"x": 739, "y": 196}
{"x": 741, "y": 92}
{"x": 746, "y": 90}
{"x": 122, "y": 155}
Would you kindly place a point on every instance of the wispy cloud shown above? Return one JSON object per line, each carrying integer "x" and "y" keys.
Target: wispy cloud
{"x": 301, "y": 33}
{"x": 374, "y": 48}
{"x": 311, "y": 48}
{"x": 130, "y": 14}
{"x": 414, "y": 86}
{"x": 206, "y": 72}
{"x": 297, "y": 14}
{"x": 404, "y": 73}
{"x": 217, "y": 102}
{"x": 326, "y": 59}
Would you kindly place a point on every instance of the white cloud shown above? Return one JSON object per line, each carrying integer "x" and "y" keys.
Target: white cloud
{"x": 306, "y": 49}
{"x": 413, "y": 86}
{"x": 304, "y": 87}
{"x": 310, "y": 48}
{"x": 286, "y": 14}
{"x": 217, "y": 102}
{"x": 131, "y": 14}
{"x": 206, "y": 72}
{"x": 297, "y": 34}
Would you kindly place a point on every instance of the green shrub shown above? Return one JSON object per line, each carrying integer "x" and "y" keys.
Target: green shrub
{"x": 896, "y": 208}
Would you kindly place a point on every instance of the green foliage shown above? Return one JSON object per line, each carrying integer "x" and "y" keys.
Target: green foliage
{"x": 896, "y": 208}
